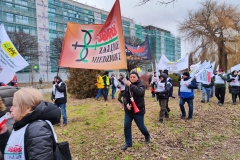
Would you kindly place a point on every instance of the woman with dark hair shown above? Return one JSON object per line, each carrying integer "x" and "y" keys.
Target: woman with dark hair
{"x": 135, "y": 90}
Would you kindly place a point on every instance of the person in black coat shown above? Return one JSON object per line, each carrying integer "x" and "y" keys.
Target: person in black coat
{"x": 233, "y": 78}
{"x": 171, "y": 90}
{"x": 163, "y": 89}
{"x": 34, "y": 118}
{"x": 135, "y": 89}
{"x": 59, "y": 96}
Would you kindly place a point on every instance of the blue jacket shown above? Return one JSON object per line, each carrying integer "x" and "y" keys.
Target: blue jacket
{"x": 192, "y": 85}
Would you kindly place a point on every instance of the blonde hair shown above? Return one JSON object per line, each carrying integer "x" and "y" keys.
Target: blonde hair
{"x": 27, "y": 97}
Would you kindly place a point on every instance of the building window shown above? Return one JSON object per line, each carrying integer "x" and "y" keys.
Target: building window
{"x": 10, "y": 29}
{"x": 65, "y": 13}
{"x": 66, "y": 18}
{"x": 51, "y": 10}
{"x": 21, "y": 2}
{"x": 65, "y": 27}
{"x": 8, "y": 4}
{"x": 52, "y": 25}
{"x": 51, "y": 14}
{"x": 33, "y": 32}
{"x": 86, "y": 18}
{"x": 9, "y": 0}
{"x": 21, "y": 7}
{"x": 9, "y": 17}
{"x": 65, "y": 5}
{"x": 26, "y": 31}
{"x": 71, "y": 15}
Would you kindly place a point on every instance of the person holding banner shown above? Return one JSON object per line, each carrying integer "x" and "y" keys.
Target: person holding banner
{"x": 122, "y": 89}
{"x": 134, "y": 96}
{"x": 171, "y": 90}
{"x": 186, "y": 94}
{"x": 233, "y": 85}
{"x": 220, "y": 86}
{"x": 163, "y": 89}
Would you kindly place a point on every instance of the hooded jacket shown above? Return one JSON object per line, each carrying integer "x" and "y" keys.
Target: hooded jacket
{"x": 232, "y": 89}
{"x": 138, "y": 91}
{"x": 62, "y": 89}
{"x": 166, "y": 92}
{"x": 38, "y": 138}
{"x": 192, "y": 85}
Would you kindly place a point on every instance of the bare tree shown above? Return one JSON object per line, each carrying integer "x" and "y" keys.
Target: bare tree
{"x": 56, "y": 49}
{"x": 142, "y": 2}
{"x": 27, "y": 46}
{"x": 210, "y": 28}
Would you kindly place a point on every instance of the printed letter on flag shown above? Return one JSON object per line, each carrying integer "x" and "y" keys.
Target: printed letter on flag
{"x": 95, "y": 46}
{"x": 10, "y": 60}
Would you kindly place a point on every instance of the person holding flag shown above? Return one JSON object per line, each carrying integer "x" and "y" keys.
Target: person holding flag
{"x": 171, "y": 90}
{"x": 134, "y": 95}
{"x": 121, "y": 88}
{"x": 186, "y": 94}
{"x": 220, "y": 86}
{"x": 233, "y": 78}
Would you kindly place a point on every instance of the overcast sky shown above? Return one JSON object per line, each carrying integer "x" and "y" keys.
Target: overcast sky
{"x": 162, "y": 16}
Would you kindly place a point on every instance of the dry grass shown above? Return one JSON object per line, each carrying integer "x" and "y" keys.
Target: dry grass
{"x": 95, "y": 131}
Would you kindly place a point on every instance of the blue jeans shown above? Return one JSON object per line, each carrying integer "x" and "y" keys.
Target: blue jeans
{"x": 64, "y": 112}
{"x": 190, "y": 105}
{"x": 114, "y": 89}
{"x": 106, "y": 92}
{"x": 153, "y": 95}
{"x": 139, "y": 120}
{"x": 204, "y": 90}
{"x": 211, "y": 95}
{"x": 100, "y": 91}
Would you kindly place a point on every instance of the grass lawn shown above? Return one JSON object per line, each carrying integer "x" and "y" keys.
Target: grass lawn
{"x": 95, "y": 130}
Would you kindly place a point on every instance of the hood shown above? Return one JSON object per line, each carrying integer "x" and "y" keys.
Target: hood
{"x": 60, "y": 80}
{"x": 44, "y": 111}
{"x": 164, "y": 75}
{"x": 106, "y": 73}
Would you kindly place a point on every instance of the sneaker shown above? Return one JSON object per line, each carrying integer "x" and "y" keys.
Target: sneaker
{"x": 183, "y": 117}
{"x": 189, "y": 118}
{"x": 147, "y": 140}
{"x": 208, "y": 102}
{"x": 160, "y": 121}
{"x": 125, "y": 147}
{"x": 107, "y": 101}
{"x": 202, "y": 101}
{"x": 234, "y": 103}
{"x": 114, "y": 99}
{"x": 167, "y": 116}
{"x": 220, "y": 104}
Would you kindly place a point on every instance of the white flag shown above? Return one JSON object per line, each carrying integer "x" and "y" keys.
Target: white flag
{"x": 237, "y": 68}
{"x": 157, "y": 70}
{"x": 194, "y": 66}
{"x": 205, "y": 75}
{"x": 179, "y": 65}
{"x": 217, "y": 68}
{"x": 10, "y": 60}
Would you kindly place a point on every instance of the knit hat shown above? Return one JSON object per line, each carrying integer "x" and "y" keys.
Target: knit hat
{"x": 97, "y": 75}
{"x": 186, "y": 74}
{"x": 165, "y": 71}
{"x": 133, "y": 72}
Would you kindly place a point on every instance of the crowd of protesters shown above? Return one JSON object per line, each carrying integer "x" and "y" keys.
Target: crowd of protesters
{"x": 30, "y": 119}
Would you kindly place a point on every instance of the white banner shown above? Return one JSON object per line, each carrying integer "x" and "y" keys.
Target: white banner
{"x": 194, "y": 66}
{"x": 179, "y": 65}
{"x": 204, "y": 76}
{"x": 10, "y": 60}
{"x": 237, "y": 68}
{"x": 157, "y": 70}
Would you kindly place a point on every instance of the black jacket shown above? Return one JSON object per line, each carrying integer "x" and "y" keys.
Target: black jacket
{"x": 150, "y": 80}
{"x": 61, "y": 89}
{"x": 138, "y": 91}
{"x": 38, "y": 138}
{"x": 171, "y": 90}
{"x": 232, "y": 89}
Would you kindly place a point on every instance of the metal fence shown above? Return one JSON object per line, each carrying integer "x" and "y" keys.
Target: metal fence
{"x": 29, "y": 77}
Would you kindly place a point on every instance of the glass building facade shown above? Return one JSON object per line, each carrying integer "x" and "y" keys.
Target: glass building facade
{"x": 33, "y": 16}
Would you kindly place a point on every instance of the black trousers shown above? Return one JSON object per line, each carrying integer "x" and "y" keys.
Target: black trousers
{"x": 168, "y": 109}
{"x": 234, "y": 97}
{"x": 220, "y": 94}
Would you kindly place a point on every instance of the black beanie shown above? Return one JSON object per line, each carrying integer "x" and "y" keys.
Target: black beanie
{"x": 186, "y": 74}
{"x": 165, "y": 71}
{"x": 154, "y": 72}
{"x": 133, "y": 72}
